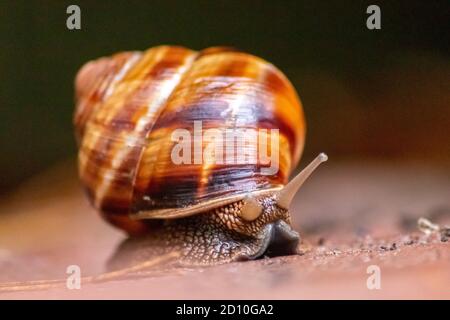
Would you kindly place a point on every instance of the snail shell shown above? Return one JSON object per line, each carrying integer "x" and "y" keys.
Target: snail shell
{"x": 127, "y": 106}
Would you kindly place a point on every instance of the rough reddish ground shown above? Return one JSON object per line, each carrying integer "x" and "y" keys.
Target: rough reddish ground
{"x": 351, "y": 215}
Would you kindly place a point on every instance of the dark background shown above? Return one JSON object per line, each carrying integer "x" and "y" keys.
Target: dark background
{"x": 381, "y": 94}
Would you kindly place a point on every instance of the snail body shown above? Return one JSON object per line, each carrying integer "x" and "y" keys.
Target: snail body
{"x": 128, "y": 107}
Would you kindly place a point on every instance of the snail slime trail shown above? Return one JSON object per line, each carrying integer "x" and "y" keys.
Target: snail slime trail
{"x": 190, "y": 153}
{"x": 227, "y": 146}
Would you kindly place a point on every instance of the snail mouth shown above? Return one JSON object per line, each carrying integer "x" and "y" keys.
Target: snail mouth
{"x": 278, "y": 239}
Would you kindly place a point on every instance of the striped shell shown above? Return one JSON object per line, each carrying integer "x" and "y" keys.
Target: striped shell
{"x": 127, "y": 106}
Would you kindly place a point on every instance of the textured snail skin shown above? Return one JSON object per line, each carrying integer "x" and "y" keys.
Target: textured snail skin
{"x": 213, "y": 238}
{"x": 127, "y": 106}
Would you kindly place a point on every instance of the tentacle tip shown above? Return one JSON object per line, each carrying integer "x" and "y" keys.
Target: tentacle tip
{"x": 323, "y": 157}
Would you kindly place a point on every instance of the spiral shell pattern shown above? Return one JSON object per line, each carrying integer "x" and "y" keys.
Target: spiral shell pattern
{"x": 128, "y": 105}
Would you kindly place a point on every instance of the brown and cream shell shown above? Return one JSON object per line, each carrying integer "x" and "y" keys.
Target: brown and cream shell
{"x": 128, "y": 104}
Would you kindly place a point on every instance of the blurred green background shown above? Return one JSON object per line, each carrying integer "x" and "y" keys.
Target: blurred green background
{"x": 382, "y": 94}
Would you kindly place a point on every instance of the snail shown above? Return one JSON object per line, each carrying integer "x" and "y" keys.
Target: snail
{"x": 128, "y": 106}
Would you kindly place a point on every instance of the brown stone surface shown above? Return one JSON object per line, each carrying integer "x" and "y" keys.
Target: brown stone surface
{"x": 350, "y": 214}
